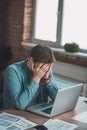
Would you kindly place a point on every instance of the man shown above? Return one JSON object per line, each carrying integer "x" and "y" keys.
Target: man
{"x": 30, "y": 81}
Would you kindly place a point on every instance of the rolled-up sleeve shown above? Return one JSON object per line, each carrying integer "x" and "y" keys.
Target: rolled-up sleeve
{"x": 52, "y": 87}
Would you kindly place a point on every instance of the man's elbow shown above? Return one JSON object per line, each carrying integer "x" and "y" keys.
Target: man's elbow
{"x": 20, "y": 106}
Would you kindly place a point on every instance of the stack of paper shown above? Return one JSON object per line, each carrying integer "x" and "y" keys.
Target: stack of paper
{"x": 13, "y": 122}
{"x": 82, "y": 117}
{"x": 59, "y": 125}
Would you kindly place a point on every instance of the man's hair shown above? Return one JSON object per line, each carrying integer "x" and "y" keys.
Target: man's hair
{"x": 42, "y": 53}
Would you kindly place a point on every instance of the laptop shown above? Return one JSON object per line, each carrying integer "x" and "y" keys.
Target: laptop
{"x": 65, "y": 100}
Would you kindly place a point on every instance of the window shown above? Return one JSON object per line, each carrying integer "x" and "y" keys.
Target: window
{"x": 57, "y": 22}
{"x": 45, "y": 21}
{"x": 75, "y": 22}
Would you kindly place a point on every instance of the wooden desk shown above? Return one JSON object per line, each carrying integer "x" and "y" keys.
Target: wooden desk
{"x": 81, "y": 107}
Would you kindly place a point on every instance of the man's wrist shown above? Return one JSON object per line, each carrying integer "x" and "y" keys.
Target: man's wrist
{"x": 47, "y": 79}
{"x": 36, "y": 79}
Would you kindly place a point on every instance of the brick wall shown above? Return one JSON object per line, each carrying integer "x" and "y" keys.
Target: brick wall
{"x": 28, "y": 15}
{"x": 72, "y": 59}
{"x": 15, "y": 31}
{"x": 3, "y": 22}
{"x": 12, "y": 28}
{"x": 3, "y": 32}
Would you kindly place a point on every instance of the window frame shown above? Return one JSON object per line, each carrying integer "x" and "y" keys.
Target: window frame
{"x": 56, "y": 44}
{"x": 59, "y": 27}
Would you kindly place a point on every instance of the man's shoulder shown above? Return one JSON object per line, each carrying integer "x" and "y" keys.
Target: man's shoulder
{"x": 15, "y": 66}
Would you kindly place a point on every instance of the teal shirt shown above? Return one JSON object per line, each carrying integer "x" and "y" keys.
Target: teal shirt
{"x": 20, "y": 88}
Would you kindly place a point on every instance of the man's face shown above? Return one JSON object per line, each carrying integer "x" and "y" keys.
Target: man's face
{"x": 49, "y": 65}
{"x": 36, "y": 64}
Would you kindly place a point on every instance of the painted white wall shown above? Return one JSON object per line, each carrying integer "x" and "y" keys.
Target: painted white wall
{"x": 70, "y": 70}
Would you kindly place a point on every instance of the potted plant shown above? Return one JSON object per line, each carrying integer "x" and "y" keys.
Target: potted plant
{"x": 71, "y": 47}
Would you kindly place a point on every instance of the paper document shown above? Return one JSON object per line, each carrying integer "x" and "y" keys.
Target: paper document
{"x": 13, "y": 122}
{"x": 82, "y": 117}
{"x": 59, "y": 125}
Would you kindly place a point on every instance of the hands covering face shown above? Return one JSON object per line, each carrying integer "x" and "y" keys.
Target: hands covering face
{"x": 48, "y": 72}
{"x": 41, "y": 70}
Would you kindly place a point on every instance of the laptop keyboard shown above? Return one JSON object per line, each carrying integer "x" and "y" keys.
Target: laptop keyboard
{"x": 44, "y": 105}
{"x": 48, "y": 110}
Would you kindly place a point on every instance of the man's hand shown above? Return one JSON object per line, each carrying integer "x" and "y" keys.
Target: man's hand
{"x": 47, "y": 77}
{"x": 48, "y": 72}
{"x": 39, "y": 71}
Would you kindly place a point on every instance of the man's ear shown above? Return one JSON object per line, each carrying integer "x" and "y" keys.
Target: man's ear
{"x": 31, "y": 59}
